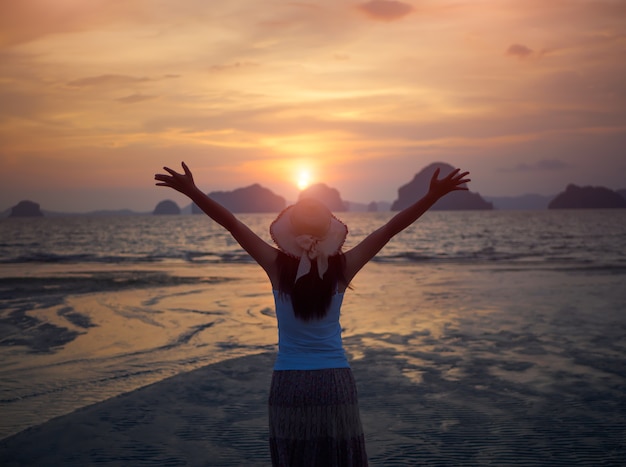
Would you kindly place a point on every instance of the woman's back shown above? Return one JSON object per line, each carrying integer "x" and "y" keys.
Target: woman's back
{"x": 311, "y": 344}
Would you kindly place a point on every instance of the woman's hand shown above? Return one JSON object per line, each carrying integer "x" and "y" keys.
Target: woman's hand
{"x": 179, "y": 182}
{"x": 451, "y": 182}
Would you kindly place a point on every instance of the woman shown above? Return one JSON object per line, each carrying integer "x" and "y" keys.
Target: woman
{"x": 313, "y": 408}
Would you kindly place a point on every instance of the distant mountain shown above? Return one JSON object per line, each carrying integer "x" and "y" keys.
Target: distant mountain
{"x": 26, "y": 209}
{"x": 166, "y": 207}
{"x": 523, "y": 202}
{"x": 253, "y": 198}
{"x": 418, "y": 187}
{"x": 327, "y": 195}
{"x": 587, "y": 197}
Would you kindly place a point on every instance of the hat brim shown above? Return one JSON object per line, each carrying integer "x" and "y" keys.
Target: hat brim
{"x": 282, "y": 233}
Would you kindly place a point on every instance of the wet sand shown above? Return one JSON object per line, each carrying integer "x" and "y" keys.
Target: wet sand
{"x": 216, "y": 416}
{"x": 473, "y": 367}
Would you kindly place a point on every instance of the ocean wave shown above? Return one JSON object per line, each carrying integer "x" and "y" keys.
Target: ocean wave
{"x": 514, "y": 260}
{"x": 39, "y": 257}
{"x": 86, "y": 258}
{"x": 461, "y": 258}
{"x": 593, "y": 238}
{"x": 45, "y": 289}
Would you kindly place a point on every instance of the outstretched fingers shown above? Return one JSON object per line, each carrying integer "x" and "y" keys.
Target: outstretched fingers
{"x": 166, "y": 180}
{"x": 172, "y": 173}
{"x": 454, "y": 180}
{"x": 455, "y": 175}
{"x": 188, "y": 173}
{"x": 182, "y": 182}
{"x": 452, "y": 174}
{"x": 460, "y": 179}
{"x": 462, "y": 176}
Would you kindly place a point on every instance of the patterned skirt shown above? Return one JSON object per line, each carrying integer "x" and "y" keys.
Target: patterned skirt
{"x": 314, "y": 419}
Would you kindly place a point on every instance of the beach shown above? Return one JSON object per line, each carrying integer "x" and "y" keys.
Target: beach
{"x": 457, "y": 361}
{"x": 216, "y": 416}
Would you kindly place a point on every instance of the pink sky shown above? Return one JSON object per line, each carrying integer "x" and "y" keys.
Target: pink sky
{"x": 98, "y": 95}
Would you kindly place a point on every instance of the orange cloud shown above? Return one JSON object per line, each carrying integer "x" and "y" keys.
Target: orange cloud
{"x": 134, "y": 98}
{"x": 385, "y": 10}
{"x": 519, "y": 50}
{"x": 27, "y": 20}
{"x": 258, "y": 86}
{"x": 107, "y": 80}
{"x": 233, "y": 66}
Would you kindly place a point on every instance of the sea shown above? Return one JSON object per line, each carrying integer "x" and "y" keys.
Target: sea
{"x": 93, "y": 307}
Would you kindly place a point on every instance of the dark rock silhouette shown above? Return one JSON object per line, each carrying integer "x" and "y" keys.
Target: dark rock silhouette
{"x": 26, "y": 209}
{"x": 622, "y": 192}
{"x": 167, "y": 207}
{"x": 372, "y": 207}
{"x": 418, "y": 187}
{"x": 253, "y": 198}
{"x": 329, "y": 196}
{"x": 587, "y": 197}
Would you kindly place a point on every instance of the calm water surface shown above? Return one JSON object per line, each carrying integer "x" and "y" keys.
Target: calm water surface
{"x": 91, "y": 307}
{"x": 576, "y": 237}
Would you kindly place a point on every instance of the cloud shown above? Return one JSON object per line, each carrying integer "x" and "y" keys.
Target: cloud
{"x": 107, "y": 80}
{"x": 233, "y": 66}
{"x": 519, "y": 50}
{"x": 385, "y": 10}
{"x": 542, "y": 165}
{"x": 28, "y": 20}
{"x": 340, "y": 78}
{"x": 134, "y": 98}
{"x": 20, "y": 104}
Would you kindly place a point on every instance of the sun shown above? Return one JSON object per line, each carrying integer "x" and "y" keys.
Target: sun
{"x": 304, "y": 179}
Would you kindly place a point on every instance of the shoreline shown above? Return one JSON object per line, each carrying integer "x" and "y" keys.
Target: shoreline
{"x": 216, "y": 415}
{"x": 476, "y": 365}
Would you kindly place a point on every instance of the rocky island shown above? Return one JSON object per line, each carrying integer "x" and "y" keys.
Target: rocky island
{"x": 587, "y": 197}
{"x": 251, "y": 199}
{"x": 418, "y": 187}
{"x": 166, "y": 207}
{"x": 26, "y": 209}
{"x": 327, "y": 195}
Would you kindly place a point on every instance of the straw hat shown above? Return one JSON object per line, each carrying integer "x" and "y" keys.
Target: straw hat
{"x": 309, "y": 231}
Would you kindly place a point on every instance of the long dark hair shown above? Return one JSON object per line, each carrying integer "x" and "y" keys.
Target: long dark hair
{"x": 310, "y": 294}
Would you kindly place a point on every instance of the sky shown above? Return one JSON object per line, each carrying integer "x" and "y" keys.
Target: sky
{"x": 97, "y": 96}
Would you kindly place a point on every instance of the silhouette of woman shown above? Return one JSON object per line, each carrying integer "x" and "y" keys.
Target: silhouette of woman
{"x": 313, "y": 408}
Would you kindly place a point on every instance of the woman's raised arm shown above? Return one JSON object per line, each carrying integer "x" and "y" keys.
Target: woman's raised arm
{"x": 261, "y": 251}
{"x": 358, "y": 256}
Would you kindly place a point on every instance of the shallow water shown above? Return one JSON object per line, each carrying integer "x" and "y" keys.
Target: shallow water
{"x": 504, "y": 299}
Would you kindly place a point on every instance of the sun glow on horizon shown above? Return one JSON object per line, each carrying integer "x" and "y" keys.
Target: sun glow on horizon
{"x": 303, "y": 179}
